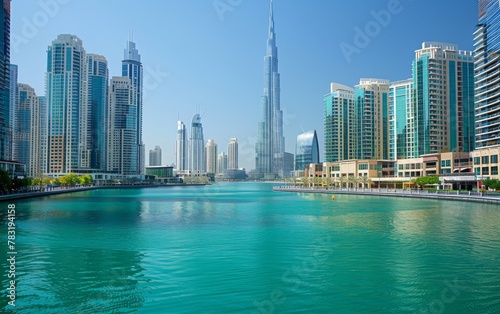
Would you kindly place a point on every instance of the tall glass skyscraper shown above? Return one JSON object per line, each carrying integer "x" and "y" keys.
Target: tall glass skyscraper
{"x": 181, "y": 148}
{"x": 270, "y": 145}
{"x": 13, "y": 103}
{"x": 64, "y": 85}
{"x": 122, "y": 127}
{"x": 94, "y": 111}
{"x": 232, "y": 154}
{"x": 132, "y": 68}
{"x": 401, "y": 124}
{"x": 44, "y": 127}
{"x": 307, "y": 150}
{"x": 372, "y": 125}
{"x": 5, "y": 124}
{"x": 487, "y": 63}
{"x": 339, "y": 123}
{"x": 443, "y": 78}
{"x": 211, "y": 157}
{"x": 27, "y": 136}
{"x": 196, "y": 147}
{"x": 155, "y": 156}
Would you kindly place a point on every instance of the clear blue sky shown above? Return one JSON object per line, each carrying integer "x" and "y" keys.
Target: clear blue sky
{"x": 209, "y": 54}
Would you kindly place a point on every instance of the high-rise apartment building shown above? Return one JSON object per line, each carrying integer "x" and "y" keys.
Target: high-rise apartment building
{"x": 232, "y": 154}
{"x": 93, "y": 113}
{"x": 64, "y": 85}
{"x": 155, "y": 156}
{"x": 402, "y": 128}
{"x": 221, "y": 162}
{"x": 44, "y": 127}
{"x": 196, "y": 147}
{"x": 270, "y": 147}
{"x": 132, "y": 68}
{"x": 211, "y": 157}
{"x": 122, "y": 127}
{"x": 13, "y": 103}
{"x": 306, "y": 150}
{"x": 181, "y": 148}
{"x": 443, "y": 78}
{"x": 5, "y": 124}
{"x": 487, "y": 63}
{"x": 339, "y": 123}
{"x": 372, "y": 125}
{"x": 27, "y": 136}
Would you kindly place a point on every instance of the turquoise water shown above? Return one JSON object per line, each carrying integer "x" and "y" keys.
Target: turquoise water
{"x": 242, "y": 248}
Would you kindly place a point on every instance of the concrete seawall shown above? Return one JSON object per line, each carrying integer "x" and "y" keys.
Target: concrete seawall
{"x": 452, "y": 196}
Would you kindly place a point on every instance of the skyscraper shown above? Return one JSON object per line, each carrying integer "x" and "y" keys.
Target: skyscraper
{"x": 5, "y": 125}
{"x": 13, "y": 103}
{"x": 211, "y": 157}
{"x": 307, "y": 150}
{"x": 155, "y": 156}
{"x": 44, "y": 127}
{"x": 64, "y": 84}
{"x": 181, "y": 148}
{"x": 94, "y": 113}
{"x": 401, "y": 122}
{"x": 122, "y": 127}
{"x": 270, "y": 146}
{"x": 443, "y": 78}
{"x": 27, "y": 136}
{"x": 196, "y": 147}
{"x": 221, "y": 162}
{"x": 232, "y": 154}
{"x": 487, "y": 62}
{"x": 372, "y": 125}
{"x": 339, "y": 124}
{"x": 132, "y": 68}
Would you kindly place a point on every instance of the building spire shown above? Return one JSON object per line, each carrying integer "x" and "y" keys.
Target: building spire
{"x": 271, "y": 20}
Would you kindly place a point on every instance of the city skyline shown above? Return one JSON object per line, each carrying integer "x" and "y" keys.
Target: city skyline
{"x": 306, "y": 78}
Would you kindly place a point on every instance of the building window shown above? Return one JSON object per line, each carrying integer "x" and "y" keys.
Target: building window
{"x": 477, "y": 160}
{"x": 477, "y": 171}
{"x": 363, "y": 167}
{"x": 494, "y": 159}
{"x": 486, "y": 171}
{"x": 485, "y": 160}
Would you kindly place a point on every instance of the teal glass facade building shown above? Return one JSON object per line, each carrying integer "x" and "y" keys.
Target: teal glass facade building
{"x": 64, "y": 85}
{"x": 339, "y": 123}
{"x": 307, "y": 150}
{"x": 487, "y": 63}
{"x": 401, "y": 122}
{"x": 97, "y": 107}
{"x": 443, "y": 78}
{"x": 132, "y": 68}
{"x": 5, "y": 111}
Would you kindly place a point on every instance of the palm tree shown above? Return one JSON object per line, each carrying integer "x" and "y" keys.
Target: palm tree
{"x": 353, "y": 181}
{"x": 342, "y": 180}
{"x": 365, "y": 181}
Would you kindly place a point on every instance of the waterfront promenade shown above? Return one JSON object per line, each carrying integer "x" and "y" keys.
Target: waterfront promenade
{"x": 469, "y": 196}
{"x": 62, "y": 190}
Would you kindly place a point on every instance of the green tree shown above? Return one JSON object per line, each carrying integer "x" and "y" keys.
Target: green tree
{"x": 5, "y": 181}
{"x": 354, "y": 181}
{"x": 492, "y": 184}
{"x": 86, "y": 180}
{"x": 69, "y": 180}
{"x": 426, "y": 180}
{"x": 366, "y": 181}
